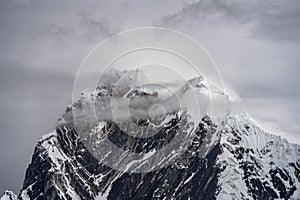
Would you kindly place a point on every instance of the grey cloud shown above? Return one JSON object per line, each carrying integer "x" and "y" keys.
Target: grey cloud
{"x": 57, "y": 33}
{"x": 255, "y": 43}
{"x": 280, "y": 25}
{"x": 208, "y": 11}
{"x": 263, "y": 38}
{"x": 268, "y": 91}
{"x": 96, "y": 28}
{"x": 52, "y": 22}
{"x": 274, "y": 115}
{"x": 30, "y": 104}
{"x": 271, "y": 19}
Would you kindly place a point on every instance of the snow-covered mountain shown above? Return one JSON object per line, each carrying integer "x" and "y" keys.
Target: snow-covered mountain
{"x": 9, "y": 195}
{"x": 232, "y": 160}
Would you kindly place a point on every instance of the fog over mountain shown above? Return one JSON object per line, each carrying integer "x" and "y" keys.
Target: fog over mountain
{"x": 255, "y": 45}
{"x": 159, "y": 155}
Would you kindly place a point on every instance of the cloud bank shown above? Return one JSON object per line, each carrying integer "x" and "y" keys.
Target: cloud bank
{"x": 255, "y": 44}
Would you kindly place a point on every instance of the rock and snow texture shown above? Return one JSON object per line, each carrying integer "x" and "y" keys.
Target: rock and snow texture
{"x": 9, "y": 195}
{"x": 62, "y": 168}
{"x": 247, "y": 163}
{"x": 235, "y": 161}
{"x": 255, "y": 164}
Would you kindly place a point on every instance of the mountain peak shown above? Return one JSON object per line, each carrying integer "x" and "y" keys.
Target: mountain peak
{"x": 202, "y": 83}
{"x": 9, "y": 195}
{"x": 232, "y": 160}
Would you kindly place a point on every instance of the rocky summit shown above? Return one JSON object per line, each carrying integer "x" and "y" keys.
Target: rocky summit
{"x": 234, "y": 159}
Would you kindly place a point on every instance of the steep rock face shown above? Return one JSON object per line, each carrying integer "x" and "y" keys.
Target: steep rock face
{"x": 255, "y": 164}
{"x": 62, "y": 168}
{"x": 232, "y": 160}
{"x": 246, "y": 163}
{"x": 9, "y": 195}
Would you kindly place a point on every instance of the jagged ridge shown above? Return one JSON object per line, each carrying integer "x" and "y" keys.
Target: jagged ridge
{"x": 240, "y": 162}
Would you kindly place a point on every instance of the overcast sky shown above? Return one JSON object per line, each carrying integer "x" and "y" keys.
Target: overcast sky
{"x": 256, "y": 45}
